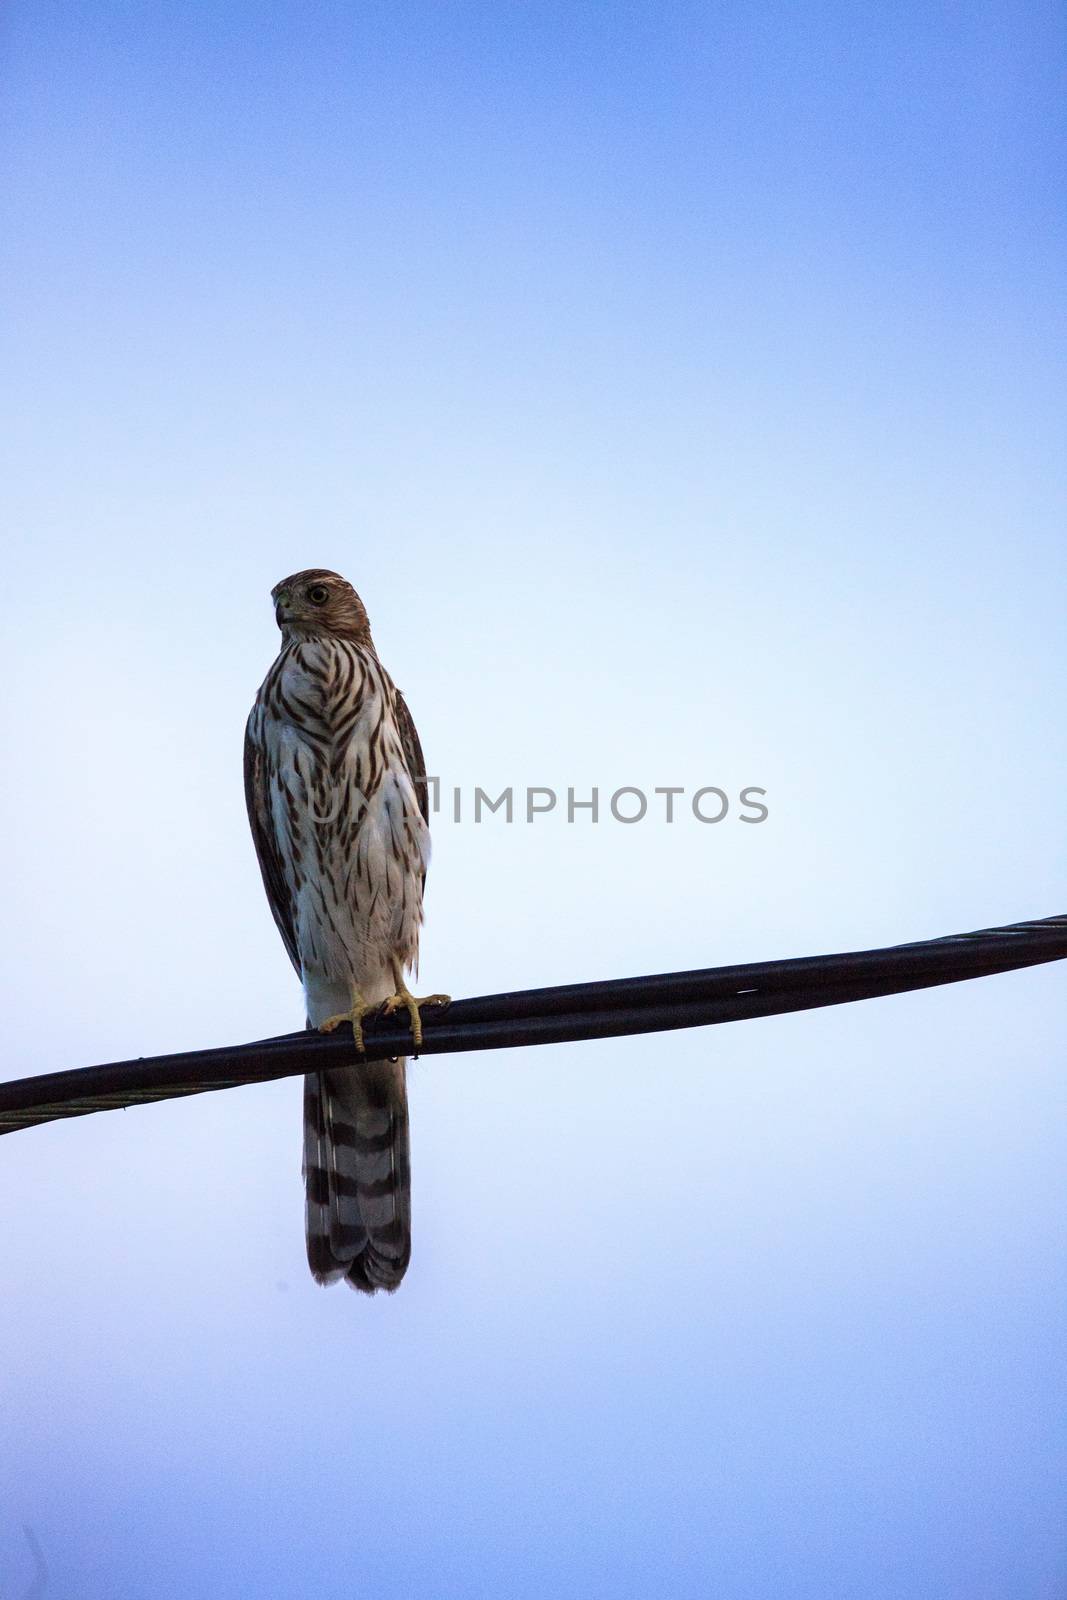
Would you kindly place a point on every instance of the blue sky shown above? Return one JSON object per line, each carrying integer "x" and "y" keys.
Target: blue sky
{"x": 682, "y": 389}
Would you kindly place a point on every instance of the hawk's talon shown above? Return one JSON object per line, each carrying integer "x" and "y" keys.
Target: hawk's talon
{"x": 403, "y": 998}
{"x": 355, "y": 1017}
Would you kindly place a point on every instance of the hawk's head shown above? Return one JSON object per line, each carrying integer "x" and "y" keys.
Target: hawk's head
{"x": 317, "y": 601}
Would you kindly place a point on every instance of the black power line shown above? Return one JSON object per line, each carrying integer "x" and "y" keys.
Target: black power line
{"x": 549, "y": 1016}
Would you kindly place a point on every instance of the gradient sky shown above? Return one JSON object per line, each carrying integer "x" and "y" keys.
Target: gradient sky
{"x": 682, "y": 388}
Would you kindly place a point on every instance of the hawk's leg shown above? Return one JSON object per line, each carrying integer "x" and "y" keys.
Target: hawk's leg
{"x": 411, "y": 1003}
{"x": 359, "y": 1010}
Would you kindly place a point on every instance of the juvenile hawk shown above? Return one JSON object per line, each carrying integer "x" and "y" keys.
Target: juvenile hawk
{"x": 336, "y": 794}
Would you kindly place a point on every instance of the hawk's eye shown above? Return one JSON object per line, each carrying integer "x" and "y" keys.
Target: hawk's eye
{"x": 318, "y": 594}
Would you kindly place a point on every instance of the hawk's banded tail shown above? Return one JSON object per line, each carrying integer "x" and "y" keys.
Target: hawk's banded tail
{"x": 357, "y": 1174}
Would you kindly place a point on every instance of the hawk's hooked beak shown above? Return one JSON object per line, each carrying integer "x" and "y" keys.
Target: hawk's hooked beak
{"x": 281, "y": 607}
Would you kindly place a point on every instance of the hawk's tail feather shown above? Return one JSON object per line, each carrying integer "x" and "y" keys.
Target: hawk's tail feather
{"x": 357, "y": 1174}
{"x": 316, "y": 1185}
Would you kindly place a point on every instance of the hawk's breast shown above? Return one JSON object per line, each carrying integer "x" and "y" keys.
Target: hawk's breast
{"x": 345, "y": 813}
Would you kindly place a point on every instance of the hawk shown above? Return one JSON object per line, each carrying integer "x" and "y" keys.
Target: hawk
{"x": 336, "y": 790}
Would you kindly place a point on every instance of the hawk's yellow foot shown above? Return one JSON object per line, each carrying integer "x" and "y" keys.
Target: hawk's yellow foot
{"x": 404, "y": 999}
{"x": 359, "y": 1010}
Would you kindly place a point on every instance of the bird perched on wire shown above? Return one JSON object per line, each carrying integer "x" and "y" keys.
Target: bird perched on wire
{"x": 335, "y": 784}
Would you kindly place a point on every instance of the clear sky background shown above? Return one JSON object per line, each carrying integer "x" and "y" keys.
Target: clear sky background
{"x": 681, "y": 385}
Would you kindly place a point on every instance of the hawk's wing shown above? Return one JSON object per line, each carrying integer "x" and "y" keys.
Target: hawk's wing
{"x": 414, "y": 759}
{"x": 257, "y": 799}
